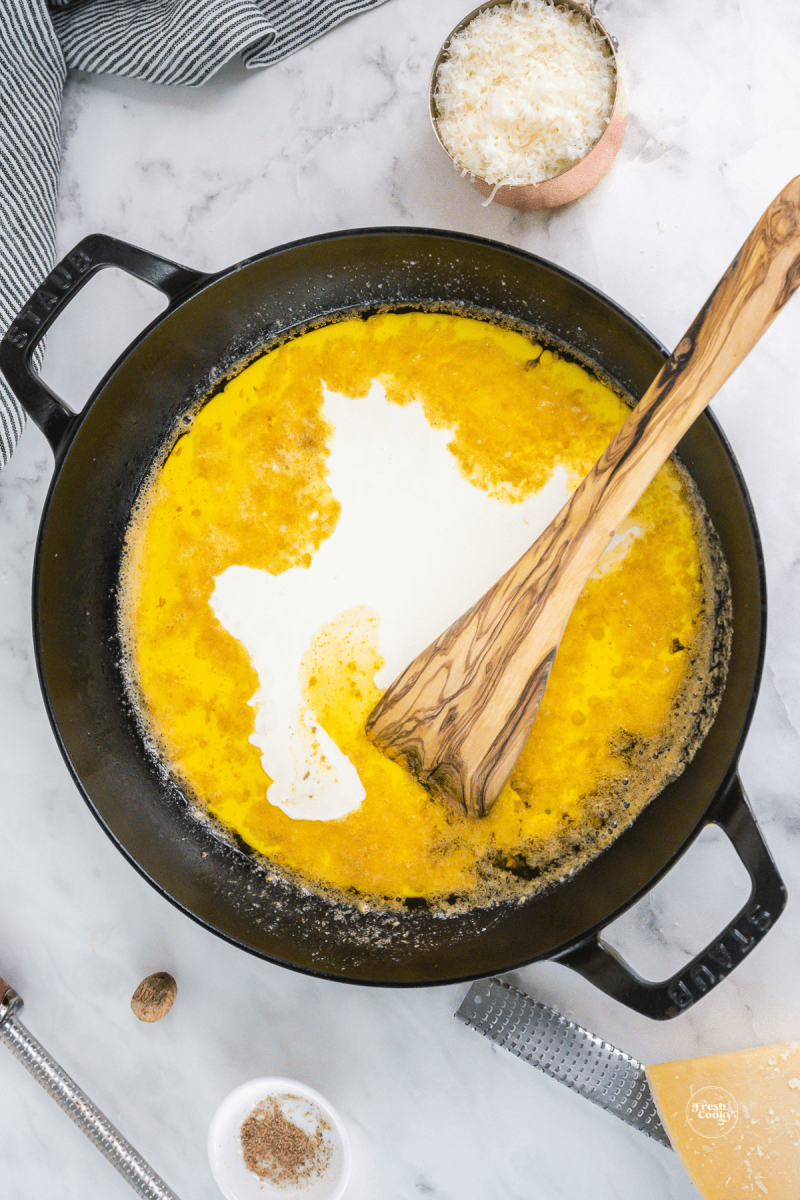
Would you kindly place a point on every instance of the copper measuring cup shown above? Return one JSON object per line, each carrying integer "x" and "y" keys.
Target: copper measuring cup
{"x": 578, "y": 179}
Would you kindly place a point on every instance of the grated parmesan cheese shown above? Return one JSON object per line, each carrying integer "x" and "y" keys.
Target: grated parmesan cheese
{"x": 525, "y": 91}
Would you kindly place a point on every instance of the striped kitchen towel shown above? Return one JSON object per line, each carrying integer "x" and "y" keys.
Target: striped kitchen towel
{"x": 162, "y": 41}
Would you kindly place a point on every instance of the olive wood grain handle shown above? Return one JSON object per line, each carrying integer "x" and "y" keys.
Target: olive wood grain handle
{"x": 459, "y": 715}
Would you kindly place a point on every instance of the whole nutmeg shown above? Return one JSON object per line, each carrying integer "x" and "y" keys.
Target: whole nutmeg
{"x": 154, "y": 996}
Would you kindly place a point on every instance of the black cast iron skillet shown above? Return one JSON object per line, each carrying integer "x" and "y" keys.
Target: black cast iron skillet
{"x": 101, "y": 458}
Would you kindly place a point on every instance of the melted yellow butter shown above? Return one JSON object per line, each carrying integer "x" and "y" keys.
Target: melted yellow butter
{"x": 246, "y": 484}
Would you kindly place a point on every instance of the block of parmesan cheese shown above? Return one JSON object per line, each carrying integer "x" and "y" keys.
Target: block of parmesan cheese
{"x": 734, "y": 1119}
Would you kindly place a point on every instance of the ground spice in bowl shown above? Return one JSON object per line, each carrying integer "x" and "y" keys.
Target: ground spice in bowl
{"x": 281, "y": 1152}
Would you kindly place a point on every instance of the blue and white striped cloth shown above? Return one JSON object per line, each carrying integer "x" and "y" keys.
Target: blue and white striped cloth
{"x": 162, "y": 41}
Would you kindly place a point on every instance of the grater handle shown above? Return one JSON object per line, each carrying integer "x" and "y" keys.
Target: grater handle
{"x": 603, "y": 967}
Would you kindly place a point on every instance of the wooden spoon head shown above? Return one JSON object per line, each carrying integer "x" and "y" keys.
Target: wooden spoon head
{"x": 458, "y": 727}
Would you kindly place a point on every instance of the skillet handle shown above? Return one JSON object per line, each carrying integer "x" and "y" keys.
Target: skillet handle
{"x": 603, "y": 967}
{"x": 56, "y": 419}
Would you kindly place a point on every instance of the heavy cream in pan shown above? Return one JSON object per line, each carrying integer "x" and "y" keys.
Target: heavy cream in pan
{"x": 329, "y": 513}
{"x": 408, "y": 520}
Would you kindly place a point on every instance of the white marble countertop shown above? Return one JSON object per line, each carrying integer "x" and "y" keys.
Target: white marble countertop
{"x": 338, "y": 136}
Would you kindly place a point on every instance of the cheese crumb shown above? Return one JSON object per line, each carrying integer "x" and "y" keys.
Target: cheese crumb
{"x": 525, "y": 91}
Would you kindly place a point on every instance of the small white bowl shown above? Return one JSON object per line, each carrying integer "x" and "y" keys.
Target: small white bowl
{"x": 225, "y": 1146}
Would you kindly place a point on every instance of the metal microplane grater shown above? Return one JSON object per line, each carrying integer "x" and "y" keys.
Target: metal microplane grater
{"x": 564, "y": 1051}
{"x": 75, "y": 1103}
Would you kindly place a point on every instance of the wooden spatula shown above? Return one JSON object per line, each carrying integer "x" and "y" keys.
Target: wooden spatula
{"x": 458, "y": 716}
